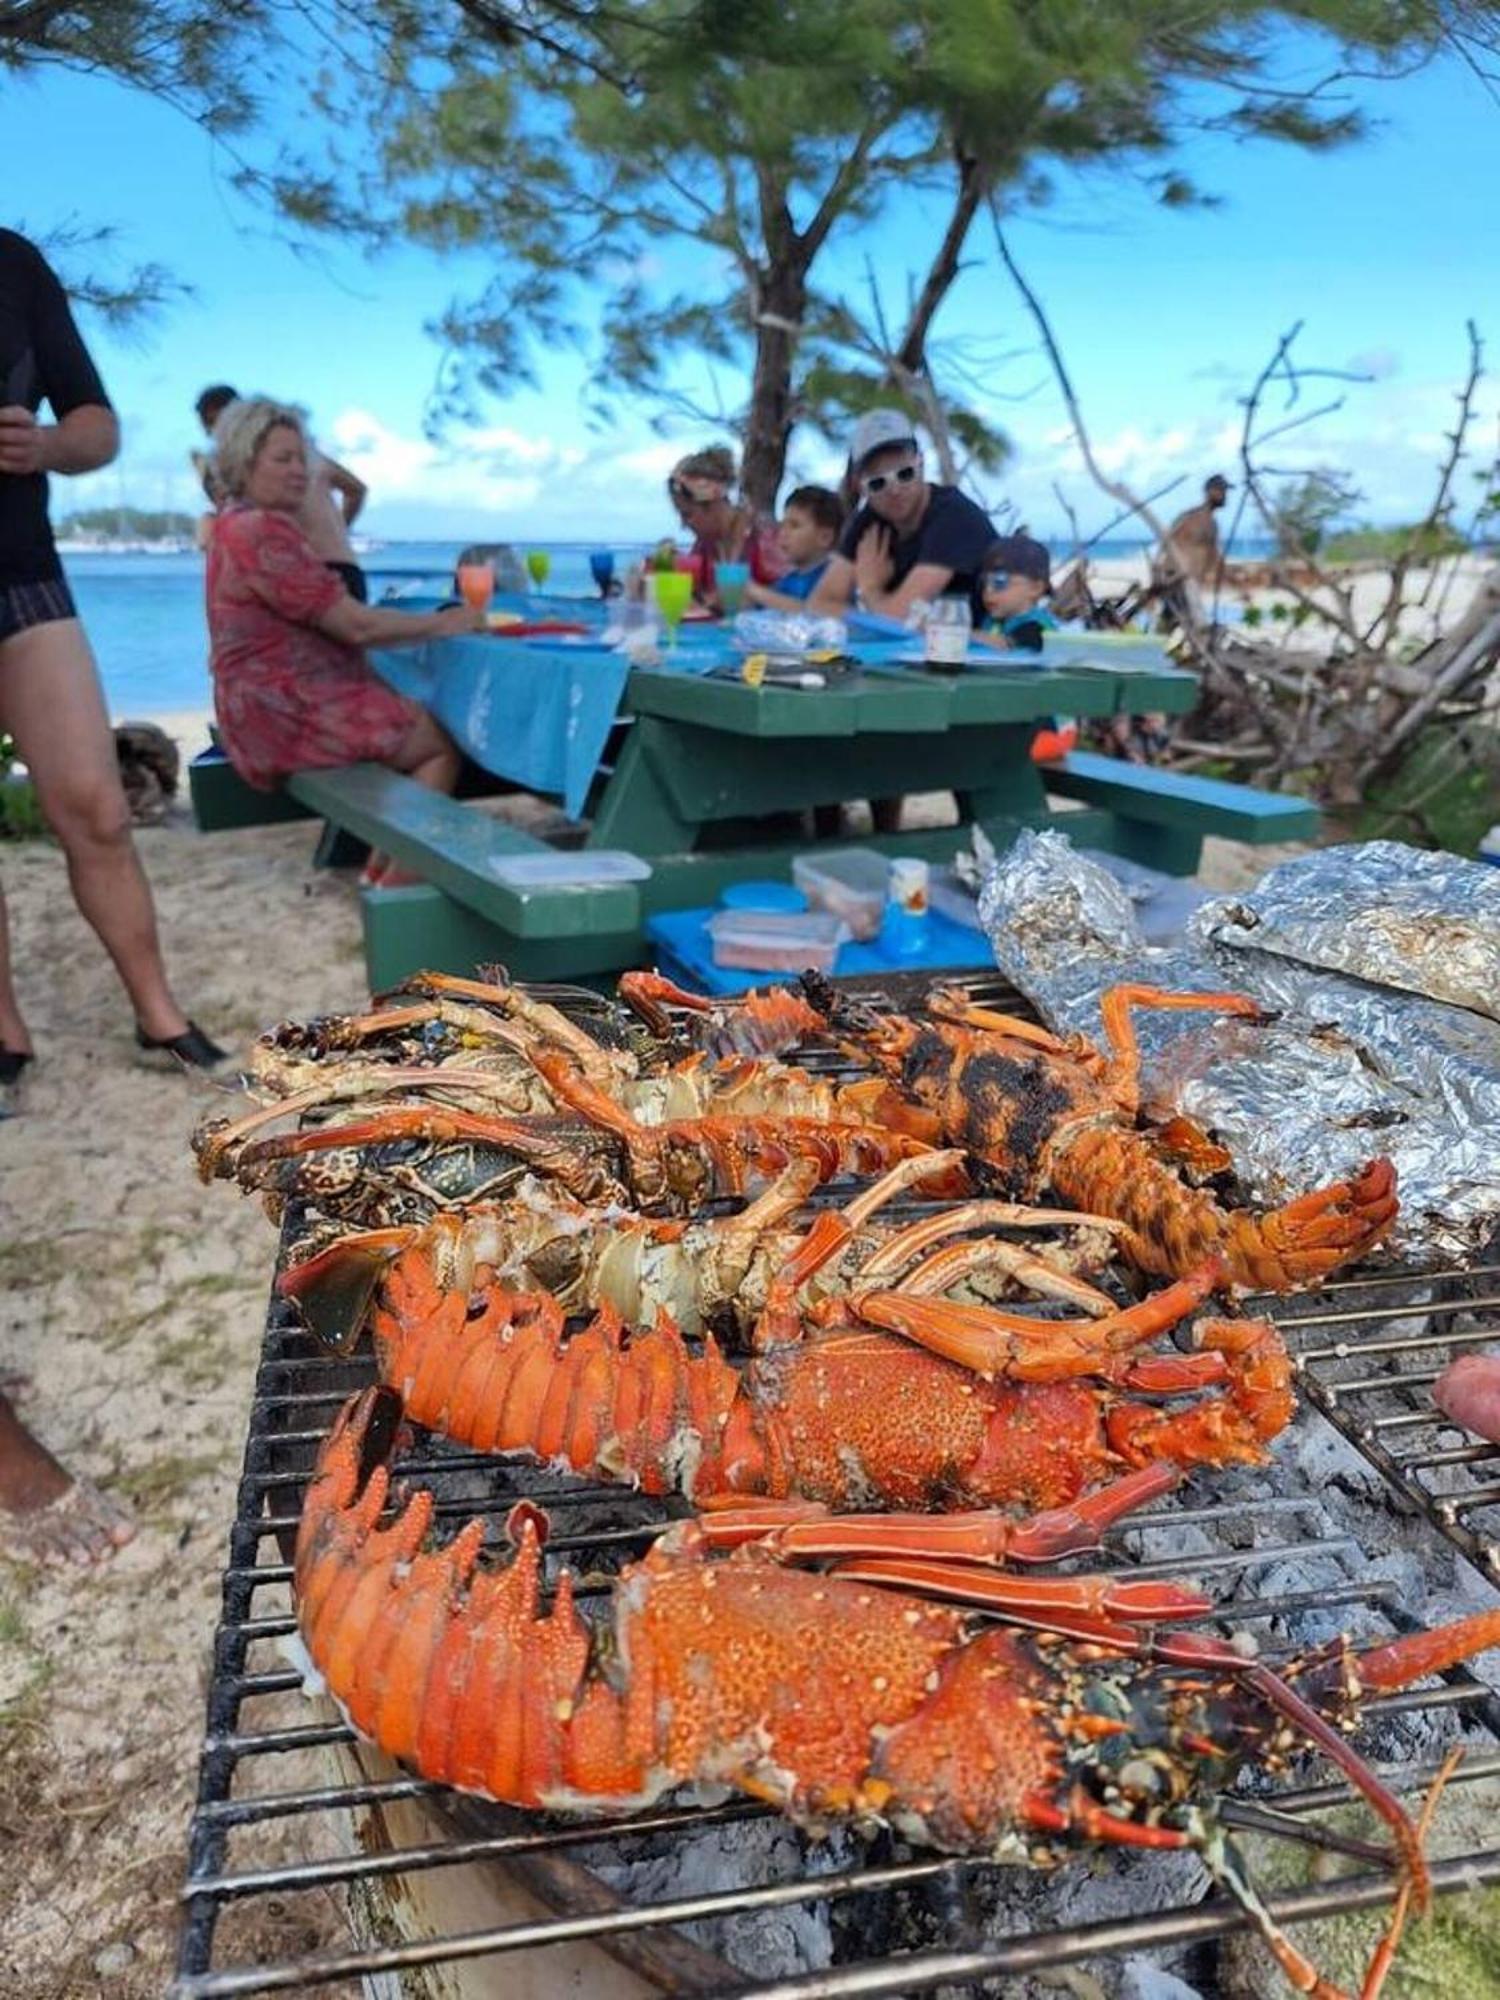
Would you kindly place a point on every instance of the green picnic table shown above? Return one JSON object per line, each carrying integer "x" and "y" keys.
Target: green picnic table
{"x": 700, "y": 757}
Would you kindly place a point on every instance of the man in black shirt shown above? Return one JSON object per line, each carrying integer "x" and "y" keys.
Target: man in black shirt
{"x": 908, "y": 540}
{"x": 52, "y": 705}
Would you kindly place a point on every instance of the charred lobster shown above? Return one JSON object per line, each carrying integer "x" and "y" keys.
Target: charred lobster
{"x": 828, "y": 1697}
{"x": 1045, "y": 1112}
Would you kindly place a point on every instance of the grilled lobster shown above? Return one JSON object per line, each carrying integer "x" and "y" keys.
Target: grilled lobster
{"x": 720, "y": 1272}
{"x": 1044, "y": 1112}
{"x": 952, "y": 1407}
{"x": 828, "y": 1697}
{"x": 607, "y": 1157}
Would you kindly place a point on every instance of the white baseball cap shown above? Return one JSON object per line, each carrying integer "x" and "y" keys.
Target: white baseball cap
{"x": 879, "y": 430}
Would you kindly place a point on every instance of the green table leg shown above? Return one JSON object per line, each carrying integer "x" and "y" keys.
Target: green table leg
{"x": 636, "y": 811}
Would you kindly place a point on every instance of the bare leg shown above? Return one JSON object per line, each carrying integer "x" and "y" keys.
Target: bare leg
{"x": 51, "y": 702}
{"x": 14, "y": 1034}
{"x": 430, "y": 756}
{"x": 45, "y": 1514}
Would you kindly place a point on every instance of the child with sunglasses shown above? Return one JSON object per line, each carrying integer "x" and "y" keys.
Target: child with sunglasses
{"x": 1013, "y": 579}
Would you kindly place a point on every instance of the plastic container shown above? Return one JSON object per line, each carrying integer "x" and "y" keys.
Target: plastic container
{"x": 851, "y": 883}
{"x": 585, "y": 868}
{"x": 778, "y": 896}
{"x": 766, "y": 941}
{"x": 903, "y": 926}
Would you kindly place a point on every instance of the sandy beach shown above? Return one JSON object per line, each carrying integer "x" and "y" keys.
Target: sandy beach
{"x": 134, "y": 1301}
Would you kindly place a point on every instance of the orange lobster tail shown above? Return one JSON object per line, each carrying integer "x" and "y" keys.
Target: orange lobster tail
{"x": 1117, "y": 1172}
{"x": 508, "y": 1379}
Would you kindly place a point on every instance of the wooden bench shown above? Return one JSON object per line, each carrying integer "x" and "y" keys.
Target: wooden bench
{"x": 1162, "y": 816}
{"x": 460, "y": 914}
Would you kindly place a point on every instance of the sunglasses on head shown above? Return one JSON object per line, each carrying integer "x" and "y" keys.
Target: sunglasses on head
{"x": 878, "y": 481}
{"x": 691, "y": 493}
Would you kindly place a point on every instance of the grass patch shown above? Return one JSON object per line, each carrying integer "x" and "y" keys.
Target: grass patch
{"x": 28, "y": 1263}
{"x": 164, "y": 1479}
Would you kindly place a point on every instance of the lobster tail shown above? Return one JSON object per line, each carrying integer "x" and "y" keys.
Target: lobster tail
{"x": 507, "y": 1378}
{"x": 445, "y": 1668}
{"x": 1173, "y": 1227}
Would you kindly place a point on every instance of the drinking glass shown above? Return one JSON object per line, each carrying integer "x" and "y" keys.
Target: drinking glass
{"x": 674, "y": 593}
{"x": 602, "y": 570}
{"x": 539, "y": 566}
{"x": 731, "y": 578}
{"x": 476, "y": 584}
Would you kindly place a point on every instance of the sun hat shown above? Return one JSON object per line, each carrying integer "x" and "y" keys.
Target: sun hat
{"x": 879, "y": 430}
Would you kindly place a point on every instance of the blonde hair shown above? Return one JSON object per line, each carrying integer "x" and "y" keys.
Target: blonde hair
{"x": 242, "y": 428}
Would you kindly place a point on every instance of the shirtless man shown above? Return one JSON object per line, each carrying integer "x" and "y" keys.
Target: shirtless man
{"x": 334, "y": 497}
{"x": 1192, "y": 545}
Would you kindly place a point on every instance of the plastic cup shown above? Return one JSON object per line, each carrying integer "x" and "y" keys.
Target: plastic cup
{"x": 476, "y": 584}
{"x": 731, "y": 578}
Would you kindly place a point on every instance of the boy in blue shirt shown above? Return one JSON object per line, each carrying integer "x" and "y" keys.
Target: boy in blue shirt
{"x": 808, "y": 528}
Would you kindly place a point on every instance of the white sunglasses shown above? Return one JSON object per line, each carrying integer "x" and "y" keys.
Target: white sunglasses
{"x": 878, "y": 481}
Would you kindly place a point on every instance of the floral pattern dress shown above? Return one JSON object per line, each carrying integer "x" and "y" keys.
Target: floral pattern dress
{"x": 288, "y": 696}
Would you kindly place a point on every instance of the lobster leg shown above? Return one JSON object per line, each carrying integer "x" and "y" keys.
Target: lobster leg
{"x": 1250, "y": 1358}
{"x": 954, "y": 1556}
{"x": 946, "y": 1267}
{"x": 551, "y": 1153}
{"x": 907, "y": 1244}
{"x": 993, "y": 1343}
{"x": 216, "y": 1142}
{"x": 1115, "y": 1005}
{"x": 529, "y": 1020}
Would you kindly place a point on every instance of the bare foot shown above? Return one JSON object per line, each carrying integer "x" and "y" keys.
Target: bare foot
{"x": 45, "y": 1514}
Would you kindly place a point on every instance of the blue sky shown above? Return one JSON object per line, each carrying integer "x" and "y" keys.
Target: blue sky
{"x": 1382, "y": 249}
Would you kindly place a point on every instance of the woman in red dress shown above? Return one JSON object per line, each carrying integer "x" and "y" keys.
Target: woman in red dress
{"x": 292, "y": 688}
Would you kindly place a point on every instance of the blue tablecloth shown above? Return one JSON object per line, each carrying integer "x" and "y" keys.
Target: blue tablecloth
{"x": 536, "y": 713}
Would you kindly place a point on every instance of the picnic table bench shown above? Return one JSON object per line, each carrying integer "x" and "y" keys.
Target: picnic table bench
{"x": 701, "y": 762}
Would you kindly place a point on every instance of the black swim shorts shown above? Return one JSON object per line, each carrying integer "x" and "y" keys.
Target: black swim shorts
{"x": 23, "y": 605}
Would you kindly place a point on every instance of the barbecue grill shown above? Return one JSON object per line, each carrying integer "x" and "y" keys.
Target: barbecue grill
{"x": 1372, "y": 1515}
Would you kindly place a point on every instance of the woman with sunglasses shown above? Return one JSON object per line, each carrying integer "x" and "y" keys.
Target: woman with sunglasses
{"x": 723, "y": 530}
{"x": 908, "y": 540}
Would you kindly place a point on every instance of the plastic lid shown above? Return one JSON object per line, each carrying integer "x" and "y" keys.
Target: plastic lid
{"x": 779, "y": 896}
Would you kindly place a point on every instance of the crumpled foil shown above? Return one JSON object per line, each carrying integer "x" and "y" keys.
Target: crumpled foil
{"x": 1351, "y": 1069}
{"x": 1400, "y": 916}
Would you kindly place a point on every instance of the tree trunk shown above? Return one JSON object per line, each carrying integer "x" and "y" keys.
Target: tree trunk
{"x": 912, "y": 353}
{"x": 780, "y": 308}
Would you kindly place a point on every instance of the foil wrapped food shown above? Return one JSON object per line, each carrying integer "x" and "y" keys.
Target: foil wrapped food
{"x": 1352, "y": 1068}
{"x": 1399, "y": 916}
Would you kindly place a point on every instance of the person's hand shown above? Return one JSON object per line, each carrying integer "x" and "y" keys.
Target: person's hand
{"x": 458, "y": 619}
{"x": 874, "y": 565}
{"x": 20, "y": 441}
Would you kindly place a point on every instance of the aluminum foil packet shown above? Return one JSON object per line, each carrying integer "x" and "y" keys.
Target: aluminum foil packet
{"x": 1398, "y": 916}
{"x": 1349, "y": 1070}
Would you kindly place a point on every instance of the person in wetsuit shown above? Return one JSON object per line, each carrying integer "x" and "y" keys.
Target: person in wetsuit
{"x": 52, "y": 706}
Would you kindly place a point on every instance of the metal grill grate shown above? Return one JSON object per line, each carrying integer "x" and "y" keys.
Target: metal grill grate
{"x": 1289, "y": 1564}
